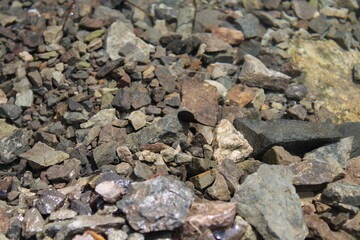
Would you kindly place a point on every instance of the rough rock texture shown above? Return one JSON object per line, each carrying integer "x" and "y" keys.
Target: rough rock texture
{"x": 168, "y": 130}
{"x": 210, "y": 215}
{"x": 199, "y": 102}
{"x": 41, "y": 156}
{"x": 350, "y": 129}
{"x": 343, "y": 194}
{"x": 330, "y": 78}
{"x": 157, "y": 204}
{"x": 13, "y": 145}
{"x": 255, "y": 73}
{"x": 80, "y": 223}
{"x": 287, "y": 133}
{"x": 261, "y": 199}
{"x": 230, "y": 143}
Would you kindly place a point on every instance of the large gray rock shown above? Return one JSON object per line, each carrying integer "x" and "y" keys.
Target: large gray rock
{"x": 121, "y": 38}
{"x": 13, "y": 145}
{"x": 157, "y": 204}
{"x": 167, "y": 130}
{"x": 296, "y": 136}
{"x": 342, "y": 194}
{"x": 268, "y": 201}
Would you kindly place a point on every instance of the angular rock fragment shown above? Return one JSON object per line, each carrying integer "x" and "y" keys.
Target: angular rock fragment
{"x": 100, "y": 119}
{"x": 167, "y": 130}
{"x": 41, "y": 156}
{"x": 203, "y": 180}
{"x": 318, "y": 228}
{"x": 343, "y": 194}
{"x": 230, "y": 143}
{"x": 12, "y": 143}
{"x": 255, "y": 73}
{"x": 66, "y": 172}
{"x": 211, "y": 215}
{"x": 199, "y": 102}
{"x": 303, "y": 9}
{"x": 137, "y": 119}
{"x": 168, "y": 208}
{"x": 349, "y": 129}
{"x": 213, "y": 44}
{"x": 279, "y": 156}
{"x": 94, "y": 222}
{"x": 353, "y": 226}
{"x": 261, "y": 199}
{"x": 105, "y": 153}
{"x": 294, "y": 135}
{"x": 314, "y": 173}
{"x": 120, "y": 37}
{"x": 219, "y": 190}
{"x": 33, "y": 223}
{"x": 49, "y": 201}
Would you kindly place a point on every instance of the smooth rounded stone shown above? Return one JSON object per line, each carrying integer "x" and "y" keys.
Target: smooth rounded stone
{"x": 342, "y": 194}
{"x": 279, "y": 156}
{"x": 158, "y": 214}
{"x": 105, "y": 153}
{"x": 241, "y": 95}
{"x": 53, "y": 34}
{"x": 41, "y": 156}
{"x": 261, "y": 199}
{"x": 255, "y": 73}
{"x": 117, "y": 235}
{"x": 137, "y": 119}
{"x": 33, "y": 223}
{"x": 11, "y": 111}
{"x": 50, "y": 201}
{"x": 262, "y": 135}
{"x": 142, "y": 171}
{"x": 120, "y": 36}
{"x": 213, "y": 215}
{"x": 123, "y": 168}
{"x": 296, "y": 91}
{"x": 62, "y": 214}
{"x": 219, "y": 190}
{"x": 110, "y": 191}
{"x": 13, "y": 145}
{"x": 229, "y": 143}
{"x": 24, "y": 98}
{"x": 94, "y": 222}
{"x": 64, "y": 173}
{"x": 303, "y": 9}
{"x": 100, "y": 119}
{"x": 199, "y": 102}
{"x": 75, "y": 117}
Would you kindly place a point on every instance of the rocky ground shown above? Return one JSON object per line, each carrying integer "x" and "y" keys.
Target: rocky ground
{"x": 123, "y": 122}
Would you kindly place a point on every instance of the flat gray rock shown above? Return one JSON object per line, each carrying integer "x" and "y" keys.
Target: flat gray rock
{"x": 268, "y": 201}
{"x": 157, "y": 204}
{"x": 343, "y": 194}
{"x": 294, "y": 135}
{"x": 352, "y": 129}
{"x": 13, "y": 145}
{"x": 167, "y": 130}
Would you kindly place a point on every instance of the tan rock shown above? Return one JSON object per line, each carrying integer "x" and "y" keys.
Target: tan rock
{"x": 329, "y": 76}
{"x": 231, "y": 36}
{"x": 278, "y": 155}
{"x": 241, "y": 94}
{"x": 230, "y": 143}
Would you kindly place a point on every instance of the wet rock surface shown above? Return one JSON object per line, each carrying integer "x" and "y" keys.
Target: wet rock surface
{"x": 165, "y": 120}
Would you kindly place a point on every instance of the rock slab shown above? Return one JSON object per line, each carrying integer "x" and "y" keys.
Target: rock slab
{"x": 261, "y": 199}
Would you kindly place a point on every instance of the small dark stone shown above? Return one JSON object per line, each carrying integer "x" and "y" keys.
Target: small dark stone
{"x": 249, "y": 25}
{"x": 49, "y": 201}
{"x": 139, "y": 96}
{"x": 108, "y": 67}
{"x": 165, "y": 77}
{"x": 177, "y": 46}
{"x": 122, "y": 99}
{"x": 80, "y": 207}
{"x": 11, "y": 111}
{"x": 32, "y": 39}
{"x": 158, "y": 94}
